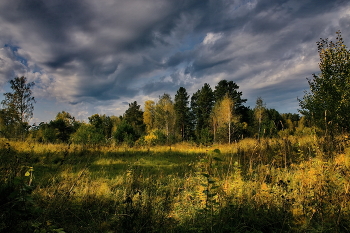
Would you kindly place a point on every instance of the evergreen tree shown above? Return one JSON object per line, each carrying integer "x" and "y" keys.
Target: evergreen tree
{"x": 182, "y": 113}
{"x": 202, "y": 103}
{"x": 229, "y": 88}
{"x": 134, "y": 116}
{"x": 273, "y": 122}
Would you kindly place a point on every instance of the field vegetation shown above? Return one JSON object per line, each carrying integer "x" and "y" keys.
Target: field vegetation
{"x": 291, "y": 184}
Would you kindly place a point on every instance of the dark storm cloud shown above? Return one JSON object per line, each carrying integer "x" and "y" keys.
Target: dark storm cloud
{"x": 87, "y": 51}
{"x": 158, "y": 87}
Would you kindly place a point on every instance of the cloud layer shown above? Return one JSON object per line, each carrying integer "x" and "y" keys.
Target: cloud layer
{"x": 93, "y": 56}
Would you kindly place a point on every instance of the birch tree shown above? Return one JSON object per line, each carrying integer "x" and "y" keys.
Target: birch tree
{"x": 165, "y": 115}
{"x": 148, "y": 115}
{"x": 328, "y": 102}
{"x": 223, "y": 116}
{"x": 19, "y": 104}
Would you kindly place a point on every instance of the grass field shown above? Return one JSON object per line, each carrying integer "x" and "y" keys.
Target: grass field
{"x": 276, "y": 185}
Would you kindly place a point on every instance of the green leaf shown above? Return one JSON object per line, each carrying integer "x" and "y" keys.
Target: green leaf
{"x": 27, "y": 173}
{"x": 206, "y": 175}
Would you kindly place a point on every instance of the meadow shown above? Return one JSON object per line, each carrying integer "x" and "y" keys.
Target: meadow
{"x": 285, "y": 184}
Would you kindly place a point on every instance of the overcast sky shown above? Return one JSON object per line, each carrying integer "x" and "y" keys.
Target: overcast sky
{"x": 91, "y": 56}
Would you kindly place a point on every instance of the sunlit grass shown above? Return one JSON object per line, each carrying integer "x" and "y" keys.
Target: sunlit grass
{"x": 283, "y": 184}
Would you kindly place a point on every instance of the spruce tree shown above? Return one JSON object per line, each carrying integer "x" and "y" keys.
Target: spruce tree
{"x": 182, "y": 113}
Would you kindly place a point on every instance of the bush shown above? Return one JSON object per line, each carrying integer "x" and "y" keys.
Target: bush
{"x": 87, "y": 134}
{"x": 125, "y": 133}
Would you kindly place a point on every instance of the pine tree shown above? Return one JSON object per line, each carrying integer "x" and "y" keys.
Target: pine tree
{"x": 202, "y": 103}
{"x": 182, "y": 113}
{"x": 134, "y": 116}
{"x": 229, "y": 88}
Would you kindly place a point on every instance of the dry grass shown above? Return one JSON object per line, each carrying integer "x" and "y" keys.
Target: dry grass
{"x": 275, "y": 185}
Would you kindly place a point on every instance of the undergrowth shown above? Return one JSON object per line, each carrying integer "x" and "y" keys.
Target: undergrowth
{"x": 276, "y": 185}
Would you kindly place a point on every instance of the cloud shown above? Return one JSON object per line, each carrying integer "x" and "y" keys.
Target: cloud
{"x": 102, "y": 53}
{"x": 9, "y": 64}
{"x": 210, "y": 38}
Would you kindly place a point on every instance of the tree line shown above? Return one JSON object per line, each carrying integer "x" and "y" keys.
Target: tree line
{"x": 210, "y": 115}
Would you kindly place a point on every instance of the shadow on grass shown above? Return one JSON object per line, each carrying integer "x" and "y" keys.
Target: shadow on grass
{"x": 142, "y": 200}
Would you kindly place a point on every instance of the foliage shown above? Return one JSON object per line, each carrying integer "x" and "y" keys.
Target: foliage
{"x": 9, "y": 128}
{"x": 44, "y": 133}
{"x": 58, "y": 130}
{"x": 125, "y": 133}
{"x": 18, "y": 106}
{"x": 165, "y": 116}
{"x": 224, "y": 117}
{"x": 202, "y": 103}
{"x": 229, "y": 88}
{"x": 182, "y": 114}
{"x": 155, "y": 137}
{"x": 327, "y": 103}
{"x": 205, "y": 137}
{"x": 149, "y": 115}
{"x": 103, "y": 124}
{"x": 259, "y": 113}
{"x": 134, "y": 116}
{"x": 20, "y": 102}
{"x": 293, "y": 184}
{"x": 88, "y": 134}
{"x": 273, "y": 123}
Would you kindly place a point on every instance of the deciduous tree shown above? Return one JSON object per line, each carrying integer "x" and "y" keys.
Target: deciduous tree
{"x": 19, "y": 104}
{"x": 165, "y": 115}
{"x": 259, "y": 113}
{"x": 148, "y": 115}
{"x": 64, "y": 125}
{"x": 229, "y": 88}
{"x": 223, "y": 116}
{"x": 328, "y": 102}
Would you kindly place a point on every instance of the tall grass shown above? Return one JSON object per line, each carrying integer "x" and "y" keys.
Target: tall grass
{"x": 273, "y": 185}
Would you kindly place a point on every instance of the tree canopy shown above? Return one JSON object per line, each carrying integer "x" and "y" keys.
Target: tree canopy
{"x": 328, "y": 102}
{"x": 182, "y": 112}
{"x": 19, "y": 104}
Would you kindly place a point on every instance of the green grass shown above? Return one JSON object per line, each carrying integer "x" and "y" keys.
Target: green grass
{"x": 277, "y": 185}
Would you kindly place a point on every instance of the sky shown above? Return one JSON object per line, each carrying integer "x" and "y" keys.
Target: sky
{"x": 89, "y": 57}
